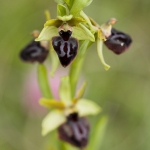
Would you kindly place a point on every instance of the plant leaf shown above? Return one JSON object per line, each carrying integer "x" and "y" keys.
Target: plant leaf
{"x": 43, "y": 81}
{"x": 87, "y": 107}
{"x": 100, "y": 53}
{"x": 65, "y": 91}
{"x": 51, "y": 103}
{"x": 82, "y": 33}
{"x": 61, "y": 10}
{"x": 78, "y": 5}
{"x": 47, "y": 33}
{"x": 96, "y": 141}
{"x": 52, "y": 121}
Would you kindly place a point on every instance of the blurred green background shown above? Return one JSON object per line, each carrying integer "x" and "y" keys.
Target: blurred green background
{"x": 123, "y": 92}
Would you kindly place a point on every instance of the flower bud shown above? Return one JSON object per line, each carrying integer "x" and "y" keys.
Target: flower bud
{"x": 75, "y": 131}
{"x": 34, "y": 52}
{"x": 65, "y": 49}
{"x": 118, "y": 41}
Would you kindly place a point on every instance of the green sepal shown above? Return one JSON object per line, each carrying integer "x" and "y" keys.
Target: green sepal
{"x": 99, "y": 131}
{"x": 100, "y": 53}
{"x": 65, "y": 18}
{"x": 53, "y": 22}
{"x": 65, "y": 91}
{"x": 61, "y": 10}
{"x": 78, "y": 5}
{"x": 47, "y": 33}
{"x": 52, "y": 121}
{"x": 87, "y": 107}
{"x": 82, "y": 33}
{"x": 43, "y": 82}
{"x": 51, "y": 103}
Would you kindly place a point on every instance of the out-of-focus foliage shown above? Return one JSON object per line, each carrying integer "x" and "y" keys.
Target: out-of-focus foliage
{"x": 123, "y": 91}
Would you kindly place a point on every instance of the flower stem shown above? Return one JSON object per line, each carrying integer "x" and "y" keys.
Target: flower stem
{"x": 43, "y": 82}
{"x": 77, "y": 65}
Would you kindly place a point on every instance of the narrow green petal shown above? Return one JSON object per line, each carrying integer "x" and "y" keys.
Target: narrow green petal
{"x": 65, "y": 91}
{"x": 53, "y": 22}
{"x": 43, "y": 81}
{"x": 82, "y": 33}
{"x": 87, "y": 107}
{"x": 100, "y": 53}
{"x": 52, "y": 121}
{"x": 47, "y": 15}
{"x": 75, "y": 21}
{"x": 47, "y": 33}
{"x": 51, "y": 103}
{"x": 99, "y": 131}
{"x": 93, "y": 28}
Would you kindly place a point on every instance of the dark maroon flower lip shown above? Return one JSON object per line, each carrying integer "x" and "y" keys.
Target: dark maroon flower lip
{"x": 118, "y": 41}
{"x": 34, "y": 52}
{"x": 66, "y": 47}
{"x": 75, "y": 131}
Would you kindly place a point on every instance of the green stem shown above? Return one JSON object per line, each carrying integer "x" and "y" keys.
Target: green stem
{"x": 43, "y": 82}
{"x": 77, "y": 65}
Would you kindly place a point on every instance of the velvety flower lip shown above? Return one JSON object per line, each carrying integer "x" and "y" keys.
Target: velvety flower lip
{"x": 75, "y": 130}
{"x": 118, "y": 41}
{"x": 65, "y": 49}
{"x": 34, "y": 52}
